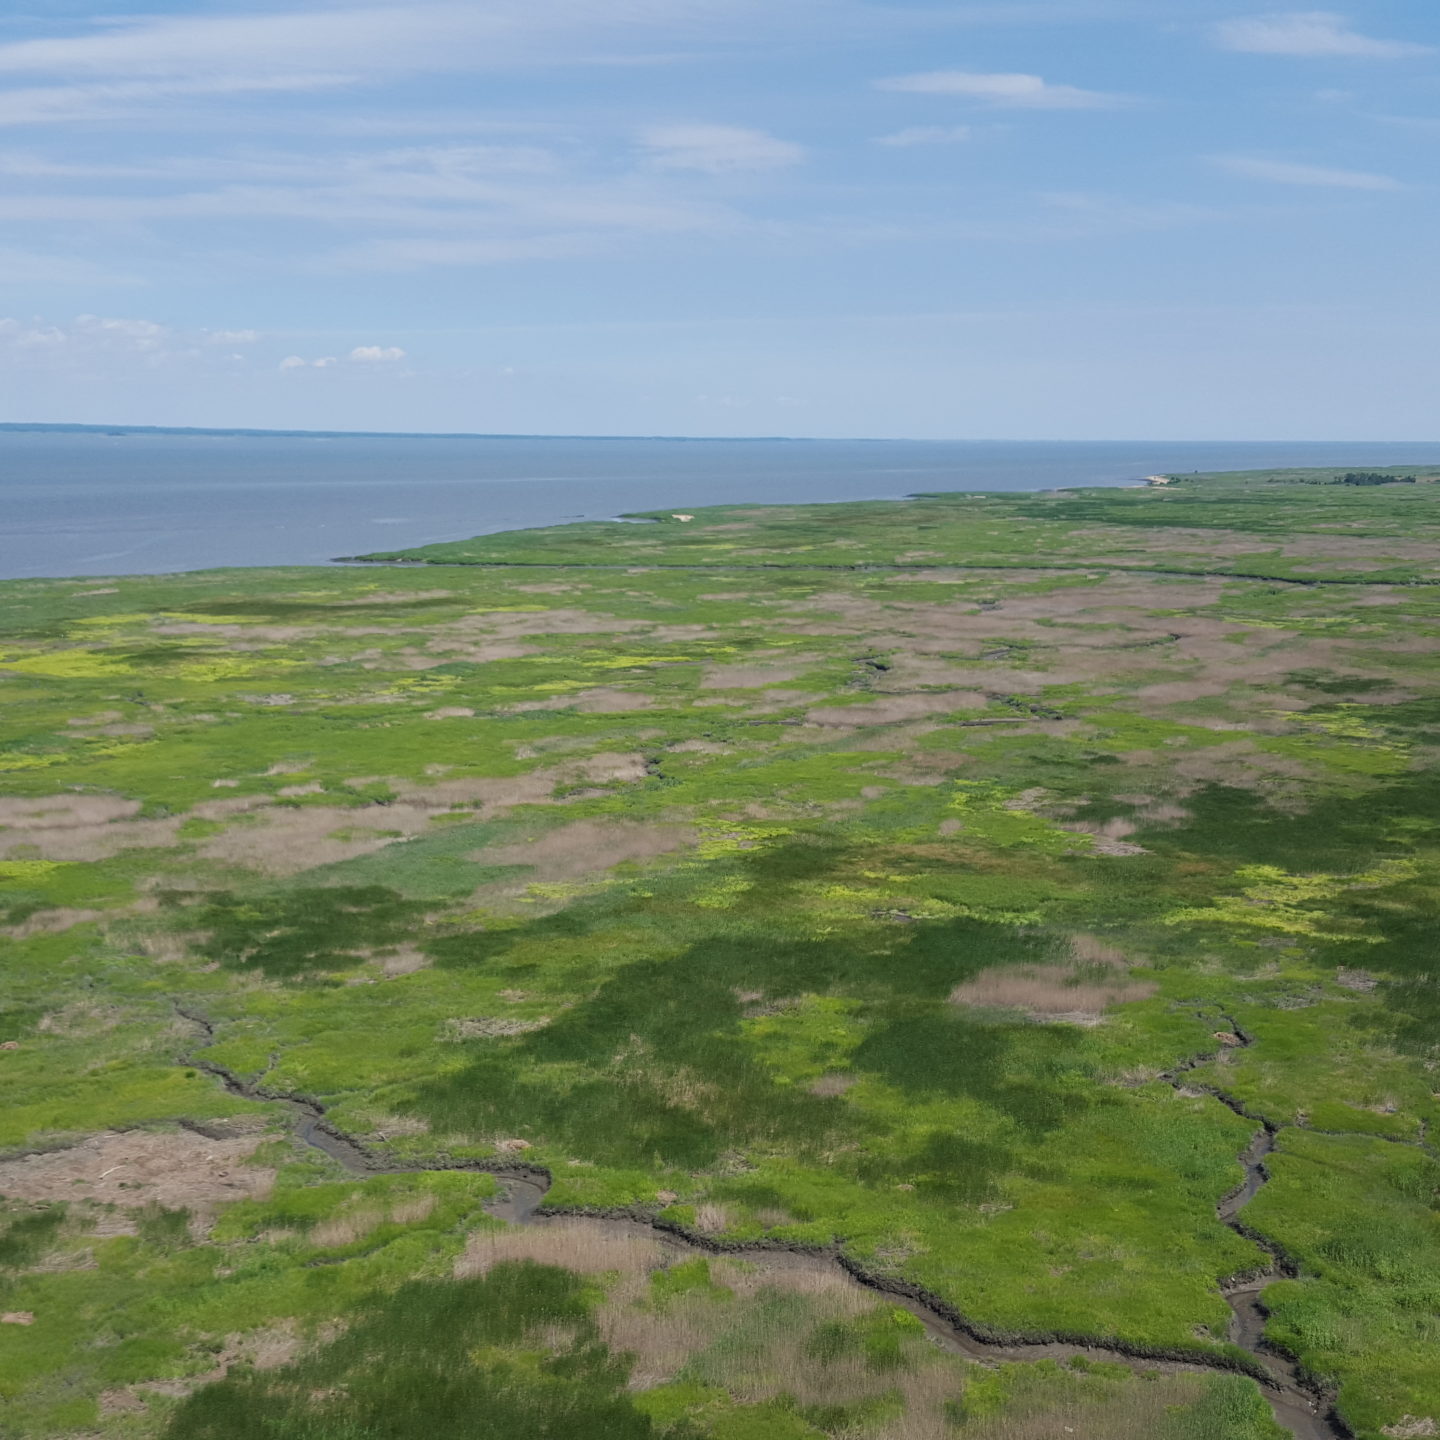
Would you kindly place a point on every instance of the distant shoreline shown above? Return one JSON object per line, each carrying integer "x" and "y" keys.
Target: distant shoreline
{"x": 20, "y": 427}
{"x": 25, "y": 427}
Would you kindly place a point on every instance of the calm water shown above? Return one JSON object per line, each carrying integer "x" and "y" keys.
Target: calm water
{"x": 110, "y": 505}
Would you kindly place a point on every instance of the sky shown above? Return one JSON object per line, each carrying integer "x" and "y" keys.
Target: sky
{"x": 1066, "y": 219}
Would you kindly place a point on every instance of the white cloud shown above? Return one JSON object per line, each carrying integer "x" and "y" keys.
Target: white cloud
{"x": 231, "y": 337}
{"x": 369, "y": 354}
{"x": 295, "y": 362}
{"x": 1281, "y": 172}
{"x": 717, "y": 149}
{"x": 926, "y": 135}
{"x": 1309, "y": 33}
{"x": 1024, "y": 92}
{"x": 292, "y": 362}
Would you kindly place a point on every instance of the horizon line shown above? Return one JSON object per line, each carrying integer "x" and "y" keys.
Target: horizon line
{"x": 121, "y": 429}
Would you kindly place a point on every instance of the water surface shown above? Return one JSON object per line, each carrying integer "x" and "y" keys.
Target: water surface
{"x": 97, "y": 504}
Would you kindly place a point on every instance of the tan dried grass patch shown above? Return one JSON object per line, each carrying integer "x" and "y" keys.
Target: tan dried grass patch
{"x": 141, "y": 1167}
{"x": 490, "y": 1027}
{"x": 600, "y": 700}
{"x": 105, "y": 717}
{"x": 898, "y": 707}
{"x": 405, "y": 960}
{"x": 587, "y": 847}
{"x": 755, "y": 675}
{"x": 345, "y": 1229}
{"x": 712, "y": 1219}
{"x": 51, "y": 922}
{"x": 413, "y": 1209}
{"x": 1052, "y": 994}
{"x": 1241, "y": 764}
{"x": 587, "y": 1247}
{"x": 285, "y": 841}
{"x": 64, "y": 812}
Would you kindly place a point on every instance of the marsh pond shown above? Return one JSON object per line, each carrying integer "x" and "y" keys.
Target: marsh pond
{"x": 957, "y": 968}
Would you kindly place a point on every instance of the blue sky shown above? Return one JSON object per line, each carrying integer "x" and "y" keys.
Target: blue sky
{"x": 1182, "y": 219}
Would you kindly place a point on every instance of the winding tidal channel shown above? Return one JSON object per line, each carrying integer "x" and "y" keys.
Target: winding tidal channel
{"x": 1300, "y": 1409}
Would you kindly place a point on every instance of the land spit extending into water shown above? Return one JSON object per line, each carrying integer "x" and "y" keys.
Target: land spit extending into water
{"x": 958, "y": 967}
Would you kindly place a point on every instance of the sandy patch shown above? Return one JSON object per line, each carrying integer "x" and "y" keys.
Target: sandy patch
{"x": 828, "y": 1086}
{"x": 176, "y": 1169}
{"x": 451, "y": 712}
{"x": 585, "y": 847}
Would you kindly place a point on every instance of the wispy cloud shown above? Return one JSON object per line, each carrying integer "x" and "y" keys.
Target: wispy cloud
{"x": 26, "y": 268}
{"x": 376, "y": 354}
{"x": 717, "y": 149}
{"x": 1021, "y": 92}
{"x": 126, "y": 65}
{"x": 1311, "y": 34}
{"x": 926, "y": 135}
{"x": 1281, "y": 172}
{"x": 90, "y": 339}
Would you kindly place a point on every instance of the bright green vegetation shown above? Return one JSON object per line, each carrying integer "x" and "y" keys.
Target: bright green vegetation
{"x": 862, "y": 875}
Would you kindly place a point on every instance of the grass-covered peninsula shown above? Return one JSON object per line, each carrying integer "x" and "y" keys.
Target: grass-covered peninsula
{"x": 961, "y": 967}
